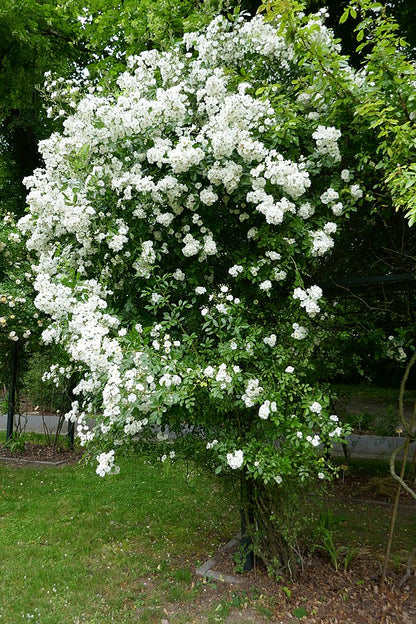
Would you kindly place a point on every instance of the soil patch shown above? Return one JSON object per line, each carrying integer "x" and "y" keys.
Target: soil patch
{"x": 322, "y": 594}
{"x": 35, "y": 453}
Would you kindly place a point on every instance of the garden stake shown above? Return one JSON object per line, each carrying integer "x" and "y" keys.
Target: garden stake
{"x": 12, "y": 393}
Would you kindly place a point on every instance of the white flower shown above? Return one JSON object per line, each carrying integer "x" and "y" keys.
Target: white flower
{"x": 209, "y": 371}
{"x": 106, "y": 464}
{"x": 321, "y": 242}
{"x": 299, "y": 332}
{"x": 211, "y": 445}
{"x": 200, "y": 290}
{"x": 306, "y": 210}
{"x": 279, "y": 276}
{"x": 266, "y": 285}
{"x": 155, "y": 298}
{"x": 316, "y": 407}
{"x": 321, "y": 475}
{"x": 179, "y": 275}
{"x": 192, "y": 246}
{"x": 326, "y": 138}
{"x": 289, "y": 369}
{"x": 235, "y": 460}
{"x": 356, "y": 192}
{"x": 235, "y": 270}
{"x": 345, "y": 175}
{"x": 264, "y": 410}
{"x": 329, "y": 196}
{"x": 252, "y": 391}
{"x": 270, "y": 340}
{"x": 273, "y": 255}
{"x": 208, "y": 197}
{"x": 336, "y": 433}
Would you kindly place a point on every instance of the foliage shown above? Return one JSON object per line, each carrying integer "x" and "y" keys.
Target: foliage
{"x": 375, "y": 325}
{"x": 38, "y": 387}
{"x": 238, "y": 134}
{"x": 400, "y": 10}
{"x": 67, "y": 36}
{"x": 20, "y": 321}
{"x": 384, "y": 107}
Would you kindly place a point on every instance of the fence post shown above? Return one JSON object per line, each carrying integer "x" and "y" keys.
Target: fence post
{"x": 71, "y": 425}
{"x": 11, "y": 409}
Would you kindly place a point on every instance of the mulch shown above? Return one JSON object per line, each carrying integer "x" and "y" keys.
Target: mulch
{"x": 323, "y": 595}
{"x": 35, "y": 453}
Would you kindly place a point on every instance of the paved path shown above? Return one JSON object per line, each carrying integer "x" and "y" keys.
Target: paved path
{"x": 37, "y": 423}
{"x": 360, "y": 446}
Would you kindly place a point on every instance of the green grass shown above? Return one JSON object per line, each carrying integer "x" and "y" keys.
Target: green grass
{"x": 365, "y": 520}
{"x": 381, "y": 417}
{"x": 369, "y": 392}
{"x": 77, "y": 548}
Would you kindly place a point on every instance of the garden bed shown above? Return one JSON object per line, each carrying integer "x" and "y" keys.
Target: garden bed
{"x": 33, "y": 453}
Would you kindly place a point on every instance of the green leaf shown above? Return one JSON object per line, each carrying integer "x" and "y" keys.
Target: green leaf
{"x": 300, "y": 612}
{"x": 344, "y": 16}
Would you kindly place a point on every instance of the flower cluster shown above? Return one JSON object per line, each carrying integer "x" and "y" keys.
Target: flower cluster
{"x": 171, "y": 221}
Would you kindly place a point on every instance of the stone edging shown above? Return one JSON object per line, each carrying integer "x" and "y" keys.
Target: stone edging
{"x": 206, "y": 571}
{"x": 31, "y": 462}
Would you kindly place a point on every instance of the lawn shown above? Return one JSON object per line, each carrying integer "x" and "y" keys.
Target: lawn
{"x": 78, "y": 548}
{"x": 75, "y": 548}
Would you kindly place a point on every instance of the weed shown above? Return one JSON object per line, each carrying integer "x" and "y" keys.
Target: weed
{"x": 17, "y": 442}
{"x": 300, "y": 612}
{"x": 241, "y": 556}
{"x": 338, "y": 555}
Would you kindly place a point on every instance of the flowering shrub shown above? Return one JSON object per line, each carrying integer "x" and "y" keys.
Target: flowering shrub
{"x": 20, "y": 321}
{"x": 177, "y": 225}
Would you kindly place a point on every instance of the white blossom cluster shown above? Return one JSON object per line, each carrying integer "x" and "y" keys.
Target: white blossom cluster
{"x": 309, "y": 299}
{"x": 252, "y": 391}
{"x": 165, "y": 216}
{"x": 321, "y": 239}
{"x": 236, "y": 459}
{"x": 327, "y": 142}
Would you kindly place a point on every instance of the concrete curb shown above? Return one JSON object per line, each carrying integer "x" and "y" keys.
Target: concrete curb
{"x": 374, "y": 447}
{"x": 31, "y": 462}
